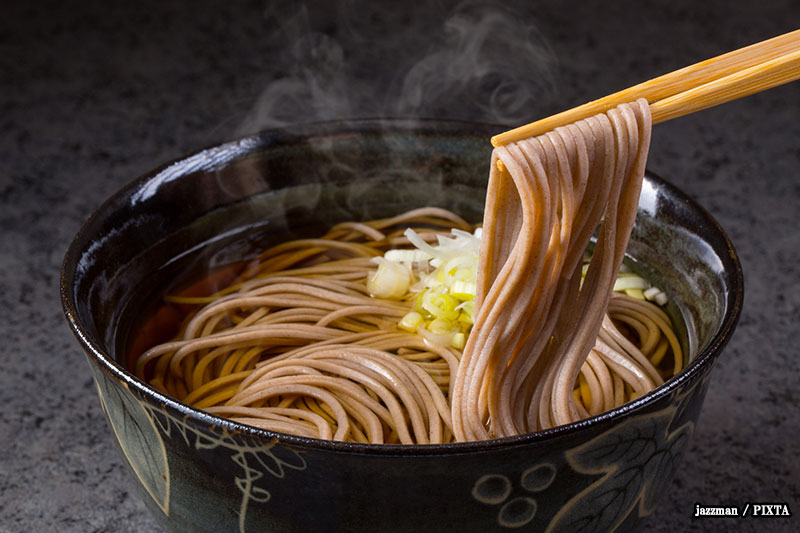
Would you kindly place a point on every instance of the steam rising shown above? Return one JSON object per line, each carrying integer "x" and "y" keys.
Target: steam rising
{"x": 476, "y": 61}
{"x": 348, "y": 59}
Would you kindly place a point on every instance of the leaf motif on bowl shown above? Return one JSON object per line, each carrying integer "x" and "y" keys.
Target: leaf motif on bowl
{"x": 257, "y": 460}
{"x": 138, "y": 438}
{"x": 634, "y": 461}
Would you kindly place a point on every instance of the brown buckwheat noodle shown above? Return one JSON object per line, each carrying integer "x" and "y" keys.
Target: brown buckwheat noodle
{"x": 297, "y": 345}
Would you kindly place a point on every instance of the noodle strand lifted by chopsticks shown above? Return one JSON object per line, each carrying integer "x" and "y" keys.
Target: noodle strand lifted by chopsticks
{"x": 536, "y": 323}
{"x": 296, "y": 343}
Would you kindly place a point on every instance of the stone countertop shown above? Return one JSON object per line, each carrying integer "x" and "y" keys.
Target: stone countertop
{"x": 95, "y": 93}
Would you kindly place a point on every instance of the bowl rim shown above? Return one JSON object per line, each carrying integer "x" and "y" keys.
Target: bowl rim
{"x": 414, "y": 126}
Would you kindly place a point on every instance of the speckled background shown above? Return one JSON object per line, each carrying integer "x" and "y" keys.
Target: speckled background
{"x": 93, "y": 94}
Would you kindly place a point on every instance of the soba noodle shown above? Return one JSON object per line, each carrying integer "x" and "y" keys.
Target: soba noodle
{"x": 536, "y": 321}
{"x": 297, "y": 344}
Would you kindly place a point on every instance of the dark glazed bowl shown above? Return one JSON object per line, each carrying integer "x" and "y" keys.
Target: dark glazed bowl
{"x": 197, "y": 472}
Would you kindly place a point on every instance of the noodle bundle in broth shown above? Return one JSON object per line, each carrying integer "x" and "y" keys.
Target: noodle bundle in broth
{"x": 330, "y": 338}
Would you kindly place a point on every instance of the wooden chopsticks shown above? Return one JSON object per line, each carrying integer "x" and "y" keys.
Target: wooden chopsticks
{"x": 733, "y": 75}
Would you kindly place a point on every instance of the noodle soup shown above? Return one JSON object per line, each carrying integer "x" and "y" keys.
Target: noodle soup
{"x": 321, "y": 288}
{"x": 511, "y": 329}
{"x": 223, "y": 205}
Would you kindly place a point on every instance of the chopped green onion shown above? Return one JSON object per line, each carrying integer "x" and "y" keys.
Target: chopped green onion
{"x": 391, "y": 280}
{"x": 437, "y": 339}
{"x": 458, "y": 341}
{"x": 628, "y": 282}
{"x": 463, "y": 290}
{"x": 440, "y": 304}
{"x": 635, "y": 293}
{"x": 440, "y": 326}
{"x": 411, "y": 321}
{"x": 441, "y": 281}
{"x": 651, "y": 293}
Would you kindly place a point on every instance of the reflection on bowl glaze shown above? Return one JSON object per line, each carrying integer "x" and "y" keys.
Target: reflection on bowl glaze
{"x": 199, "y": 472}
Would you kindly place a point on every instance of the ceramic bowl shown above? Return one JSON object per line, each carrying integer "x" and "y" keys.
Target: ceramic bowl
{"x": 197, "y": 472}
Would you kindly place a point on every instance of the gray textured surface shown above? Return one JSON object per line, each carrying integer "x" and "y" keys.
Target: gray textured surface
{"x": 92, "y": 96}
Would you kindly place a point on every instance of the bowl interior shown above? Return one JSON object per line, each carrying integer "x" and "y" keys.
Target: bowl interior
{"x": 225, "y": 203}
